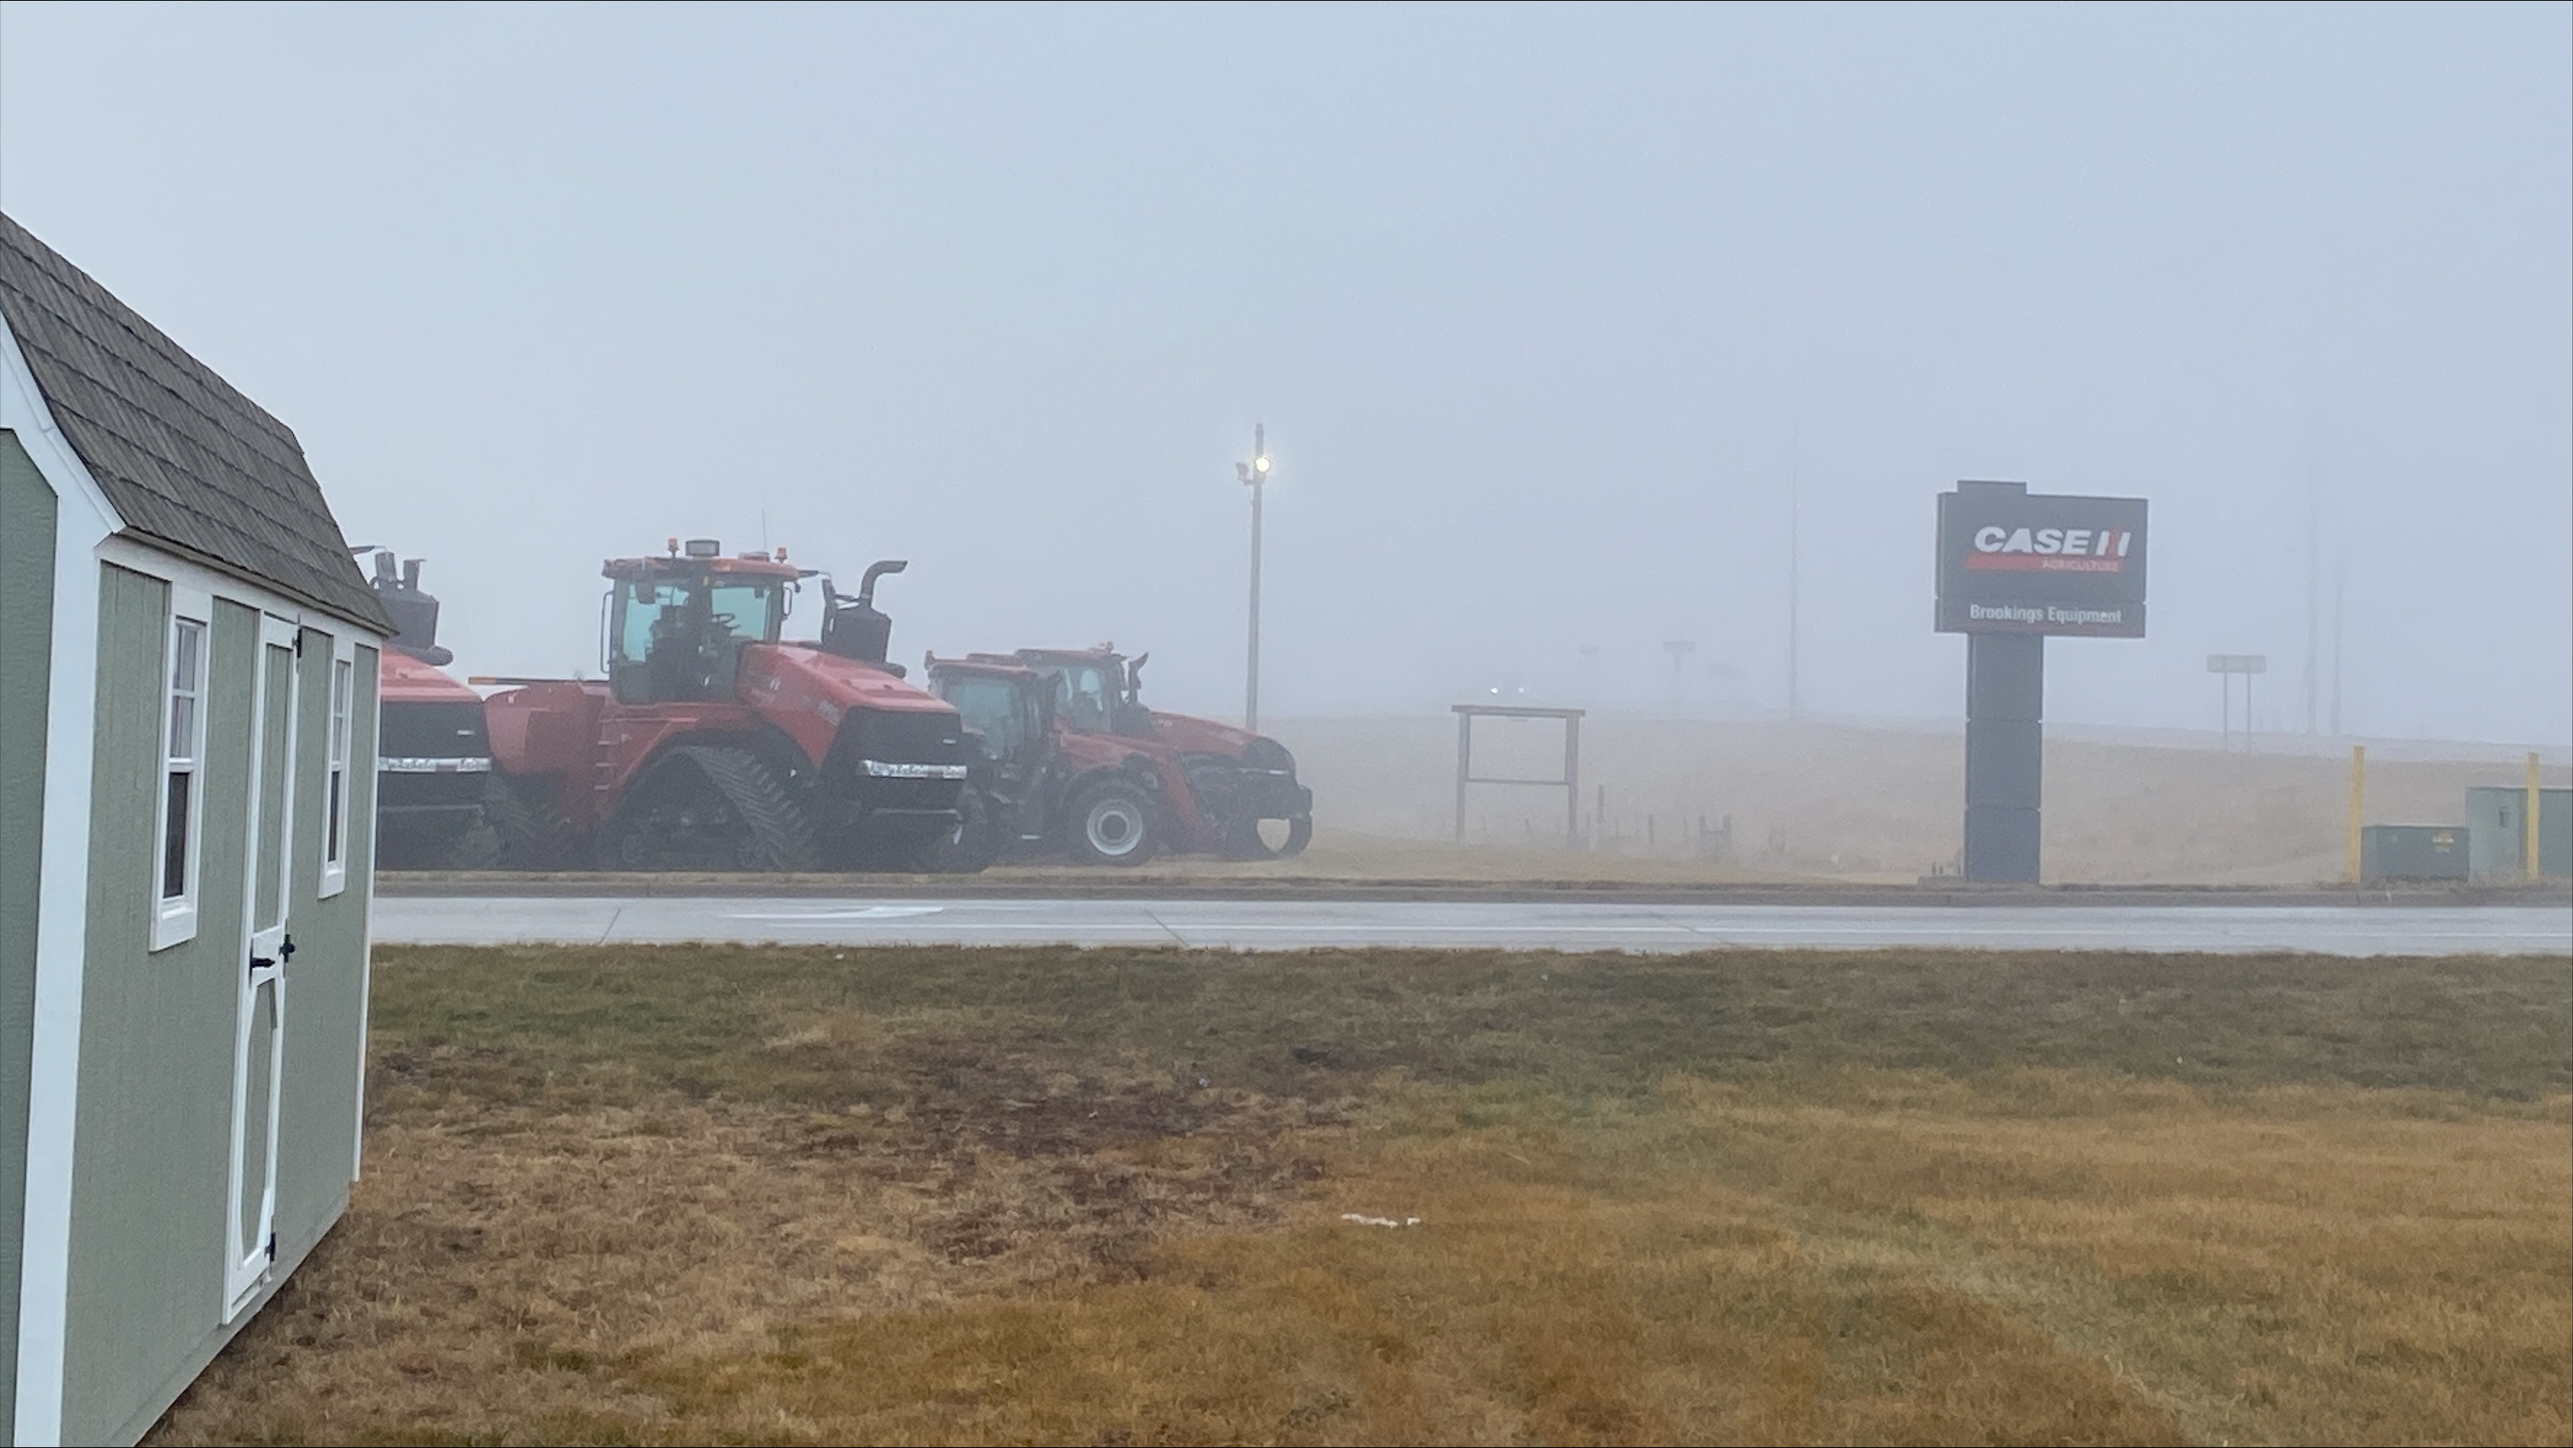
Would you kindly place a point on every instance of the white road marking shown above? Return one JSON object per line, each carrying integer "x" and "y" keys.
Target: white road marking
{"x": 836, "y": 917}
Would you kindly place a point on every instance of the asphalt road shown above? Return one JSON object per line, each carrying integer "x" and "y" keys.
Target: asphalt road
{"x": 1517, "y": 925}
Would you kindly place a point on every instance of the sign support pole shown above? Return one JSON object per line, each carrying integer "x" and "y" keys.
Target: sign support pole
{"x": 2004, "y": 755}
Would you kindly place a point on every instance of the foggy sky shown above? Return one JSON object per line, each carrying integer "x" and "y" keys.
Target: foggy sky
{"x": 1544, "y": 310}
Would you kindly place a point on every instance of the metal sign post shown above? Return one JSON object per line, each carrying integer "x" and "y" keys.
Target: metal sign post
{"x": 2014, "y": 567}
{"x": 2227, "y": 666}
{"x": 1570, "y": 783}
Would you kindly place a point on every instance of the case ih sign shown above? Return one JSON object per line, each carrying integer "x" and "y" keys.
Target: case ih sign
{"x": 2012, "y": 561}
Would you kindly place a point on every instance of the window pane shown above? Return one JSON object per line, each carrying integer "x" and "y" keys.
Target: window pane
{"x": 174, "y": 836}
{"x": 1084, "y": 696}
{"x": 639, "y": 608}
{"x": 339, "y": 715}
{"x": 276, "y": 780}
{"x": 990, "y": 708}
{"x": 749, "y": 607}
{"x": 183, "y": 657}
{"x": 183, "y": 728}
{"x": 330, "y": 824}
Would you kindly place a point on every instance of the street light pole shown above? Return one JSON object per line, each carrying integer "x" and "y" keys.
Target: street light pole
{"x": 1795, "y": 562}
{"x": 1253, "y": 474}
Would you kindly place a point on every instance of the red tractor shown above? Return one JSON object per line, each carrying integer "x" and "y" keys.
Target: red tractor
{"x": 1075, "y": 761}
{"x": 432, "y": 759}
{"x": 713, "y": 745}
{"x": 1039, "y": 788}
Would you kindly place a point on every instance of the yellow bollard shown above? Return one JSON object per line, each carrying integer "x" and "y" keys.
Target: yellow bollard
{"x": 2358, "y": 803}
{"x": 2528, "y": 827}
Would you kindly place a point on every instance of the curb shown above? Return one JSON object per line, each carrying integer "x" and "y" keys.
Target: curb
{"x": 582, "y": 885}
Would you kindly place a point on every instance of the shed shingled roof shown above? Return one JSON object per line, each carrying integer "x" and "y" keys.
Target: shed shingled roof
{"x": 185, "y": 459}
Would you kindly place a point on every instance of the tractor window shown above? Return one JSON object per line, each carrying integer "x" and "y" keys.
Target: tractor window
{"x": 748, "y": 612}
{"x": 990, "y": 708}
{"x": 682, "y": 640}
{"x": 1082, "y": 692}
{"x": 639, "y": 607}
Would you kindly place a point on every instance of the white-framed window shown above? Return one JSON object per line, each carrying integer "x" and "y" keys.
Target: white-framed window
{"x": 335, "y": 789}
{"x": 180, "y": 813}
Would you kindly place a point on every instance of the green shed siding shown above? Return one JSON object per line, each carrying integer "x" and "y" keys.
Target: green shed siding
{"x": 153, "y": 1144}
{"x": 28, "y": 513}
{"x": 152, "y": 1150}
{"x": 326, "y": 981}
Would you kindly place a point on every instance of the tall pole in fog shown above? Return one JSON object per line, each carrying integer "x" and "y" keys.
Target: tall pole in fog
{"x": 1253, "y": 474}
{"x": 1795, "y": 519}
{"x": 2340, "y": 601}
{"x": 1795, "y": 543}
{"x": 2313, "y": 576}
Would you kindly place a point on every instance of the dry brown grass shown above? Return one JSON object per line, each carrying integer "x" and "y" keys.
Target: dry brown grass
{"x": 929, "y": 1196}
{"x": 1821, "y": 799}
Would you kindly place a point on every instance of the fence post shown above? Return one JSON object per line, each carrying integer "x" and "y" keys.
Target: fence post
{"x": 1464, "y": 761}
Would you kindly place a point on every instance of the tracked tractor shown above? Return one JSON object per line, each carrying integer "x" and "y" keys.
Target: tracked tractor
{"x": 1190, "y": 785}
{"x": 433, "y": 759}
{"x": 713, "y": 744}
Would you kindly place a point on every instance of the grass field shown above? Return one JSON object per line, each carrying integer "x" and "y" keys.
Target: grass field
{"x": 1825, "y": 799}
{"x": 722, "y": 1194}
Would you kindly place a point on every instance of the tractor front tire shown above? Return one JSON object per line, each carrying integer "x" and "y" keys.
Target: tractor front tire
{"x": 1110, "y": 823}
{"x": 974, "y": 845}
{"x": 1243, "y": 840}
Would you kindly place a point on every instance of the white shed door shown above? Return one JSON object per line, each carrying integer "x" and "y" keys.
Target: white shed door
{"x": 259, "y": 1060}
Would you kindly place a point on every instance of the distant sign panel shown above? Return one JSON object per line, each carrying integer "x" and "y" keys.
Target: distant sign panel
{"x": 2012, "y": 561}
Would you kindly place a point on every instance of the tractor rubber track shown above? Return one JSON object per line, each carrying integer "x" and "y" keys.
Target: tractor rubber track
{"x": 531, "y": 832}
{"x": 781, "y": 838}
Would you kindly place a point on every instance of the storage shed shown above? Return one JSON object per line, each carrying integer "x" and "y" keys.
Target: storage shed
{"x": 187, "y": 743}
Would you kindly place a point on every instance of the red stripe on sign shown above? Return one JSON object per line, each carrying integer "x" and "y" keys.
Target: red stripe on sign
{"x": 2041, "y": 563}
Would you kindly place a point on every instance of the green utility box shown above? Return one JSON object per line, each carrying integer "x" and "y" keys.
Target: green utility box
{"x": 2412, "y": 852}
{"x": 2497, "y": 816}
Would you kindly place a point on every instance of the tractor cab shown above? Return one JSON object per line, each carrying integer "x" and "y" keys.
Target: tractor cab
{"x": 675, "y": 626}
{"x": 1010, "y": 709}
{"x": 1096, "y": 691}
{"x": 1017, "y": 781}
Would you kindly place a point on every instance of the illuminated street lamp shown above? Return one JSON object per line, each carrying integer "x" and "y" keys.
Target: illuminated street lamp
{"x": 1253, "y": 474}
